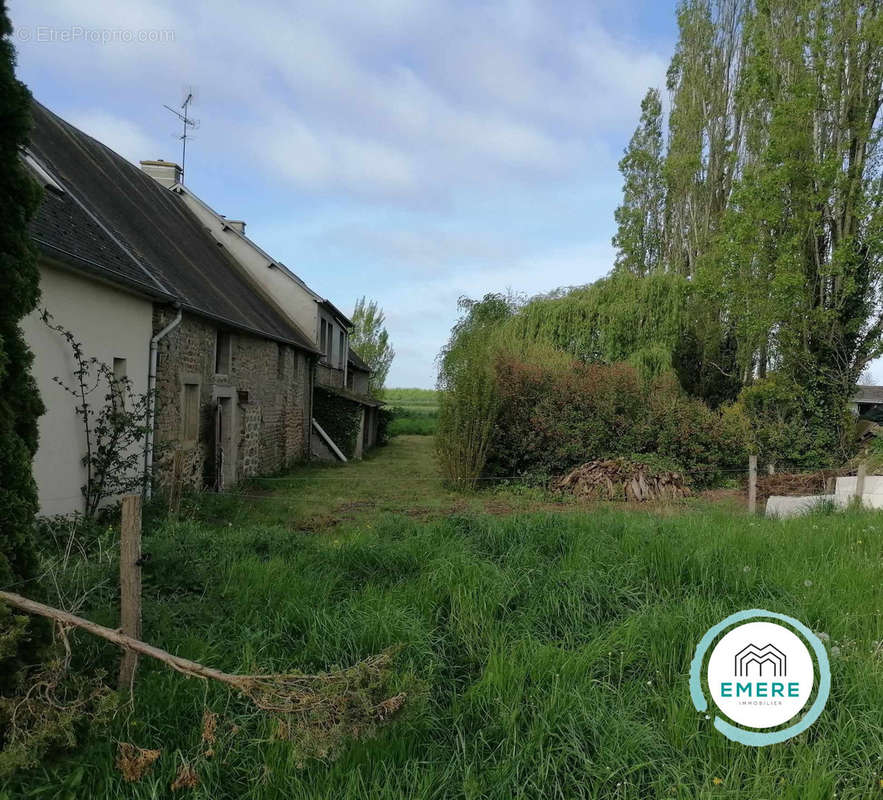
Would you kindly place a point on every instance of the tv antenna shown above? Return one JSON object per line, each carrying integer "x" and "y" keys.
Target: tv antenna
{"x": 187, "y": 124}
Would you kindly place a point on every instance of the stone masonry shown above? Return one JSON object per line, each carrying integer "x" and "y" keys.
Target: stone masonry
{"x": 262, "y": 390}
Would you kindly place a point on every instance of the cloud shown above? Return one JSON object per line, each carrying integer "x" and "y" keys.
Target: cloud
{"x": 410, "y": 150}
{"x": 121, "y": 135}
{"x": 409, "y": 251}
{"x": 420, "y": 312}
{"x": 401, "y": 101}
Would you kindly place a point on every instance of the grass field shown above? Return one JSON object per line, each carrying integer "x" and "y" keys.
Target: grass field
{"x": 544, "y": 649}
{"x": 416, "y": 411}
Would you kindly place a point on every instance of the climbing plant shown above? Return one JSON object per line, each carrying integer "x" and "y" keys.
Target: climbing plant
{"x": 115, "y": 420}
{"x": 339, "y": 418}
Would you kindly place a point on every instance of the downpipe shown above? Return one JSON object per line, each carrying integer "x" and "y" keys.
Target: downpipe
{"x": 151, "y": 399}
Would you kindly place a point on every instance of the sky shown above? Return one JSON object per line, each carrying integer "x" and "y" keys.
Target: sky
{"x": 413, "y": 151}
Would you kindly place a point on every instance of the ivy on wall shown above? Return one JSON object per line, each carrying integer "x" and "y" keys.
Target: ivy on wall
{"x": 339, "y": 418}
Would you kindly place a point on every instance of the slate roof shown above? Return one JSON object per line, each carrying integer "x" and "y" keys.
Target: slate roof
{"x": 354, "y": 359}
{"x": 868, "y": 394}
{"x": 348, "y": 394}
{"x": 115, "y": 221}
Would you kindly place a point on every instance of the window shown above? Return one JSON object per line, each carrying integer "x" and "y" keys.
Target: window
{"x": 322, "y": 335}
{"x": 222, "y": 353}
{"x": 118, "y": 390}
{"x": 190, "y": 413}
{"x": 280, "y": 360}
{"x": 330, "y": 343}
{"x": 342, "y": 354}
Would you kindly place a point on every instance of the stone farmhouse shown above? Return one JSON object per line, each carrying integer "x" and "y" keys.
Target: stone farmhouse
{"x": 339, "y": 371}
{"x": 132, "y": 272}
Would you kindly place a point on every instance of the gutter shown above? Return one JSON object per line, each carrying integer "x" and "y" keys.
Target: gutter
{"x": 151, "y": 391}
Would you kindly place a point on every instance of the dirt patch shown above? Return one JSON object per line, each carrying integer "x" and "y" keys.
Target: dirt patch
{"x": 346, "y": 512}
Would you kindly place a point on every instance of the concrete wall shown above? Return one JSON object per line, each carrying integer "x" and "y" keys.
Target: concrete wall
{"x": 111, "y": 324}
{"x": 264, "y": 395}
{"x": 784, "y": 507}
{"x": 872, "y": 496}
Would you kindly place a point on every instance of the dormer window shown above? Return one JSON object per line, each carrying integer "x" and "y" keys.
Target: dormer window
{"x": 46, "y": 179}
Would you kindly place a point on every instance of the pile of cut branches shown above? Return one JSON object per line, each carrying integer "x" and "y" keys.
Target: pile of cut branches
{"x": 796, "y": 484}
{"x": 621, "y": 479}
{"x": 319, "y": 712}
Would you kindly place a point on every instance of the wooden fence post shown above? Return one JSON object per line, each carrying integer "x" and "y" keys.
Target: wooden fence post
{"x": 860, "y": 482}
{"x": 752, "y": 484}
{"x": 130, "y": 584}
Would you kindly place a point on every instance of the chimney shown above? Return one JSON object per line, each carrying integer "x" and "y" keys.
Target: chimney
{"x": 237, "y": 224}
{"x": 166, "y": 173}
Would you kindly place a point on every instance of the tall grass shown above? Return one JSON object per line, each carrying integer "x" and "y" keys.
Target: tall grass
{"x": 414, "y": 411}
{"x": 545, "y": 656}
{"x": 413, "y": 421}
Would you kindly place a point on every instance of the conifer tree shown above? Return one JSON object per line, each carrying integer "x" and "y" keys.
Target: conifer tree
{"x": 19, "y": 401}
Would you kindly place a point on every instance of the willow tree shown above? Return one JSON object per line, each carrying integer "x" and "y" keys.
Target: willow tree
{"x": 610, "y": 320}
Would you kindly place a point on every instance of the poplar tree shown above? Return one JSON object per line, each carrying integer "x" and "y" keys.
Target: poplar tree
{"x": 369, "y": 338}
{"x": 639, "y": 235}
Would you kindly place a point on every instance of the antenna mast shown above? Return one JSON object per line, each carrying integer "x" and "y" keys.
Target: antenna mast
{"x": 187, "y": 123}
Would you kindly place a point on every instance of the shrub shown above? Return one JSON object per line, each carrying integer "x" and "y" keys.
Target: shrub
{"x": 793, "y": 426}
{"x": 555, "y": 416}
{"x": 384, "y": 419}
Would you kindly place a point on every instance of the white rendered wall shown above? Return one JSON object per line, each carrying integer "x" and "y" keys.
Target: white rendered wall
{"x": 111, "y": 324}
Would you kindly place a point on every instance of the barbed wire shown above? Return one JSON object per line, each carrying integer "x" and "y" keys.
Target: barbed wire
{"x": 341, "y": 474}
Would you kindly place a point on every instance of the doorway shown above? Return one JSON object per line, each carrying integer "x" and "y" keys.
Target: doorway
{"x": 225, "y": 444}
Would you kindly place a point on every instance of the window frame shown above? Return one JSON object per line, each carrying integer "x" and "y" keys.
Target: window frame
{"x": 223, "y": 336}
{"x": 120, "y": 376}
{"x": 187, "y": 419}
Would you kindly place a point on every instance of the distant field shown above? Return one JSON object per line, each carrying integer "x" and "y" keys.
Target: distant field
{"x": 416, "y": 411}
{"x": 416, "y": 399}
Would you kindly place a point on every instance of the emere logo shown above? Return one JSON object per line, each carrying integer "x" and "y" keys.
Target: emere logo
{"x": 768, "y": 654}
{"x": 760, "y": 676}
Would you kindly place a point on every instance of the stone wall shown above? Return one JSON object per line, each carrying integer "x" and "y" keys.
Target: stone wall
{"x": 263, "y": 394}
{"x": 329, "y": 376}
{"x": 358, "y": 381}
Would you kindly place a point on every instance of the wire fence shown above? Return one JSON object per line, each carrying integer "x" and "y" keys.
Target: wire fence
{"x": 819, "y": 480}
